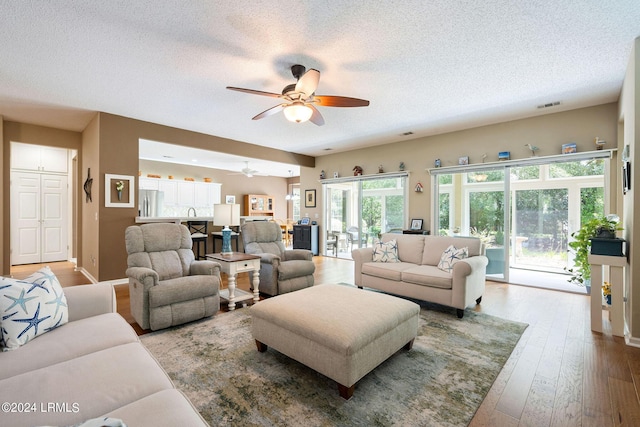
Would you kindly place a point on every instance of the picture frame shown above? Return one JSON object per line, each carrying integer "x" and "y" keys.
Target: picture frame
{"x": 229, "y": 199}
{"x": 569, "y": 148}
{"x": 626, "y": 177}
{"x": 309, "y": 198}
{"x": 464, "y": 160}
{"x": 304, "y": 221}
{"x": 119, "y": 198}
{"x": 504, "y": 155}
{"x": 416, "y": 224}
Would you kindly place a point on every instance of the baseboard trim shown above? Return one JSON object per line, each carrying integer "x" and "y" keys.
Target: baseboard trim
{"x": 87, "y": 275}
{"x": 632, "y": 341}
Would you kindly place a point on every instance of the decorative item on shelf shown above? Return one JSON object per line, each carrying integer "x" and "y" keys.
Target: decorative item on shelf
{"x": 532, "y": 148}
{"x": 357, "y": 170}
{"x": 606, "y": 292}
{"x": 152, "y": 175}
{"x": 569, "y": 148}
{"x": 464, "y": 160}
{"x": 437, "y": 163}
{"x": 599, "y": 143}
{"x": 419, "y": 188}
{"x": 322, "y": 174}
{"x": 207, "y": 179}
{"x": 401, "y": 166}
{"x": 484, "y": 156}
{"x": 139, "y": 173}
{"x": 336, "y": 175}
{"x": 380, "y": 169}
{"x": 226, "y": 215}
{"x": 189, "y": 179}
{"x": 170, "y": 177}
{"x": 230, "y": 199}
{"x": 581, "y": 245}
{"x": 626, "y": 176}
{"x": 416, "y": 224}
{"x": 504, "y": 155}
{"x": 87, "y": 186}
{"x": 119, "y": 188}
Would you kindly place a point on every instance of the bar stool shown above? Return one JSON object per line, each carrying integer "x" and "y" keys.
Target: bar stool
{"x": 199, "y": 234}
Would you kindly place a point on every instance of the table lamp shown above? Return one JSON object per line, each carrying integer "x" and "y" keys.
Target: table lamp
{"x": 226, "y": 215}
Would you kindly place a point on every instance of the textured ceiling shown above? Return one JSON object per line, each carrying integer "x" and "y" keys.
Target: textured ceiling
{"x": 426, "y": 66}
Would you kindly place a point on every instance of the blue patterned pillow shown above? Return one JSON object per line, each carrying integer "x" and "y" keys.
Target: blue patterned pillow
{"x": 385, "y": 252}
{"x": 450, "y": 256}
{"x": 30, "y": 307}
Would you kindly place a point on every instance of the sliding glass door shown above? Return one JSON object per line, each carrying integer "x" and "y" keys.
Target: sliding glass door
{"x": 359, "y": 209}
{"x": 524, "y": 214}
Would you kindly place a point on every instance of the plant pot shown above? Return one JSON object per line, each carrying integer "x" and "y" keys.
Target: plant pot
{"x": 610, "y": 247}
{"x": 607, "y": 299}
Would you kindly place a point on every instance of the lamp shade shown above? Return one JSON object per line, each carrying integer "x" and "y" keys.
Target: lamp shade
{"x": 227, "y": 214}
{"x": 298, "y": 112}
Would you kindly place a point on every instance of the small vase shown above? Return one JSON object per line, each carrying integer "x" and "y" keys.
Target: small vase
{"x": 607, "y": 298}
{"x": 120, "y": 195}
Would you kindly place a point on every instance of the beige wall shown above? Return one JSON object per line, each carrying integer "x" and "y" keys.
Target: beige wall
{"x": 89, "y": 217}
{"x": 548, "y": 132}
{"x": 629, "y": 115}
{"x": 5, "y": 206}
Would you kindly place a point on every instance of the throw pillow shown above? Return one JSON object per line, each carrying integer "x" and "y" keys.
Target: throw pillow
{"x": 450, "y": 256}
{"x": 30, "y": 307}
{"x": 385, "y": 251}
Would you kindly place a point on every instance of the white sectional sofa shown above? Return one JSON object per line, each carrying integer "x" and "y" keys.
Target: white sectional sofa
{"x": 91, "y": 367}
{"x": 417, "y": 275}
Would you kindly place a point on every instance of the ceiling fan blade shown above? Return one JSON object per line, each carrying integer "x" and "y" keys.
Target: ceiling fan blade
{"x": 339, "y": 101}
{"x": 316, "y": 117}
{"x": 269, "y": 112}
{"x": 255, "y": 92}
{"x": 308, "y": 83}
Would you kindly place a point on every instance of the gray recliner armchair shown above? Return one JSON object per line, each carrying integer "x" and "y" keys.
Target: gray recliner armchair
{"x": 167, "y": 287}
{"x": 281, "y": 270}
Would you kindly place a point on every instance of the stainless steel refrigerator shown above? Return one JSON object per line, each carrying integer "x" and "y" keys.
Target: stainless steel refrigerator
{"x": 150, "y": 203}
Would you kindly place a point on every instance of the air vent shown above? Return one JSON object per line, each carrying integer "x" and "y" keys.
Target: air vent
{"x": 328, "y": 149}
{"x": 167, "y": 157}
{"x": 407, "y": 133}
{"x": 549, "y": 104}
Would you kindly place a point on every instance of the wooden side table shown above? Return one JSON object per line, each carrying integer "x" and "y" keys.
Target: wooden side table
{"x": 616, "y": 265}
{"x": 232, "y": 264}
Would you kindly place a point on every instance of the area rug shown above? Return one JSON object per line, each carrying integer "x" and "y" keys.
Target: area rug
{"x": 440, "y": 382}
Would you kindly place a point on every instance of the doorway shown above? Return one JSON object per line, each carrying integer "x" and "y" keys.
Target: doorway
{"x": 39, "y": 200}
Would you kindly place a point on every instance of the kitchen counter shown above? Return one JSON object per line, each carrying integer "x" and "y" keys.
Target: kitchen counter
{"x": 177, "y": 220}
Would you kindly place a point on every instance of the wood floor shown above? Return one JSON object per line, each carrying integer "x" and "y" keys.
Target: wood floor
{"x": 560, "y": 373}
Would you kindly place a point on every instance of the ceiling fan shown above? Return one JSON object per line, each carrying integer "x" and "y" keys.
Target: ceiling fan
{"x": 300, "y": 100}
{"x": 248, "y": 172}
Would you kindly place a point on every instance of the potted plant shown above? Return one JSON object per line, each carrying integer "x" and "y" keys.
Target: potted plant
{"x": 599, "y": 226}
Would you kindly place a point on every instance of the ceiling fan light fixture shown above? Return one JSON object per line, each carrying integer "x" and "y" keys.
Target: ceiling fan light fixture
{"x": 298, "y": 112}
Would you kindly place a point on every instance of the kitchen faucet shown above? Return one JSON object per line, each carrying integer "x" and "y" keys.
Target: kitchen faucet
{"x": 194, "y": 212}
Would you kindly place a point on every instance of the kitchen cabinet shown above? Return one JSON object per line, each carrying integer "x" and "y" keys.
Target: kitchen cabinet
{"x": 170, "y": 189}
{"x": 39, "y": 158}
{"x": 148, "y": 183}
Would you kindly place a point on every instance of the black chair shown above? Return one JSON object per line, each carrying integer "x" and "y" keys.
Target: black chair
{"x": 199, "y": 234}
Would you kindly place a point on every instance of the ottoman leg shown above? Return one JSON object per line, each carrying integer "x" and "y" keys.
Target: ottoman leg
{"x": 346, "y": 392}
{"x": 261, "y": 346}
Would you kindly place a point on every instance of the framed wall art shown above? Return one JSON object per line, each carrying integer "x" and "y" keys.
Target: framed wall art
{"x": 230, "y": 200}
{"x": 309, "y": 198}
{"x": 119, "y": 191}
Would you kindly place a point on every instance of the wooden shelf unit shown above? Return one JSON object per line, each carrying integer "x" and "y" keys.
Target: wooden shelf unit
{"x": 258, "y": 205}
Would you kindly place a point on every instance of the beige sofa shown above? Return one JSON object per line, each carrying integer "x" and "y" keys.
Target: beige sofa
{"x": 92, "y": 366}
{"x": 417, "y": 274}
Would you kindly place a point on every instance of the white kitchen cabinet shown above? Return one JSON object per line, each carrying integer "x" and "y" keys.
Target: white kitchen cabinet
{"x": 206, "y": 194}
{"x": 39, "y": 158}
{"x": 170, "y": 189}
{"x": 186, "y": 193}
{"x": 148, "y": 183}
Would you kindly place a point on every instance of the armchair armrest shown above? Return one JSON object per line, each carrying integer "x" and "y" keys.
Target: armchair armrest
{"x": 268, "y": 258}
{"x": 204, "y": 268}
{"x": 301, "y": 254}
{"x": 90, "y": 300}
{"x": 142, "y": 273}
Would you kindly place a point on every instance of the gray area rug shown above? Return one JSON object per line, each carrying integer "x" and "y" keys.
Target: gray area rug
{"x": 440, "y": 382}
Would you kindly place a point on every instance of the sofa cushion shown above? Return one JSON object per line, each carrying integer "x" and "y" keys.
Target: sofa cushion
{"x": 295, "y": 268}
{"x": 428, "y": 275}
{"x": 435, "y": 245}
{"x": 385, "y": 270}
{"x": 385, "y": 251}
{"x": 72, "y": 340}
{"x": 450, "y": 256}
{"x": 30, "y": 307}
{"x": 91, "y": 385}
{"x": 410, "y": 246}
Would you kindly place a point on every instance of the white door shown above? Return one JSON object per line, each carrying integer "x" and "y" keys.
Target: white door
{"x": 38, "y": 217}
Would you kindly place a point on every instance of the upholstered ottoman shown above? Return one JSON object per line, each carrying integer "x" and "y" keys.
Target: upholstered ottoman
{"x": 339, "y": 331}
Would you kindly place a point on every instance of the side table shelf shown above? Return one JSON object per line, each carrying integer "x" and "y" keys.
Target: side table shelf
{"x": 616, "y": 265}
